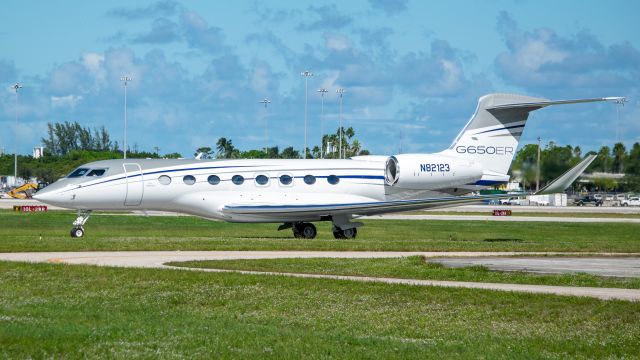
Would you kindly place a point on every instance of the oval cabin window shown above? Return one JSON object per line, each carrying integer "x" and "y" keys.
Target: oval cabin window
{"x": 189, "y": 179}
{"x": 213, "y": 179}
{"x": 237, "y": 179}
{"x": 332, "y": 179}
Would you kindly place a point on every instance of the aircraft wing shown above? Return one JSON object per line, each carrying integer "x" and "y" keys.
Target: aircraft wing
{"x": 362, "y": 208}
{"x": 565, "y": 180}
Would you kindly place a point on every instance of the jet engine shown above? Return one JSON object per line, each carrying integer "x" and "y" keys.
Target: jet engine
{"x": 429, "y": 171}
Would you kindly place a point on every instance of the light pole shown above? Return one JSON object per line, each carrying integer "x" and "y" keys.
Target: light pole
{"x": 620, "y": 102}
{"x": 266, "y": 102}
{"x": 322, "y": 91}
{"x": 125, "y": 79}
{"x": 306, "y": 75}
{"x": 340, "y": 92}
{"x": 16, "y": 87}
{"x": 538, "y": 168}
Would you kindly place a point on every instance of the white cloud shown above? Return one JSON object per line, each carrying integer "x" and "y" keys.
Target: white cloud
{"x": 69, "y": 101}
{"x": 337, "y": 42}
{"x": 94, "y": 63}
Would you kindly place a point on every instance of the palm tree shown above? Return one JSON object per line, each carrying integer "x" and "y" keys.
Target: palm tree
{"x": 619, "y": 153}
{"x": 604, "y": 155}
{"x": 225, "y": 148}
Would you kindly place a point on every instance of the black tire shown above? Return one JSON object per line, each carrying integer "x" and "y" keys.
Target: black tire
{"x": 77, "y": 232}
{"x": 625, "y": 204}
{"x": 308, "y": 231}
{"x": 350, "y": 233}
{"x": 297, "y": 231}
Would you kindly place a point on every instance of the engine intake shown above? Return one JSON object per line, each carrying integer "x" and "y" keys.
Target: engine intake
{"x": 429, "y": 172}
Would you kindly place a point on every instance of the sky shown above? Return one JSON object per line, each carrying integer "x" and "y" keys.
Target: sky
{"x": 412, "y": 70}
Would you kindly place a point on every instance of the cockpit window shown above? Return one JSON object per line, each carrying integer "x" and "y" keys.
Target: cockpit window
{"x": 97, "y": 172}
{"x": 79, "y": 172}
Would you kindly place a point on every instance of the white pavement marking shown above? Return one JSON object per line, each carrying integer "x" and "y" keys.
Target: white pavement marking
{"x": 157, "y": 259}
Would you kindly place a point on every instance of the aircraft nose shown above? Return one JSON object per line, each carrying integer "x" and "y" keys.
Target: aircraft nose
{"x": 53, "y": 195}
{"x": 44, "y": 195}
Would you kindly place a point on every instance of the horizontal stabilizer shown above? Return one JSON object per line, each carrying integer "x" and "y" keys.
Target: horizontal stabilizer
{"x": 541, "y": 104}
{"x": 565, "y": 180}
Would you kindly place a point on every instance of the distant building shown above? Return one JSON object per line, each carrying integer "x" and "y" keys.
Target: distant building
{"x": 38, "y": 152}
{"x": 9, "y": 181}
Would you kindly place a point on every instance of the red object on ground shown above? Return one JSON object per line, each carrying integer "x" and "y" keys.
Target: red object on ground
{"x": 501, "y": 212}
{"x": 30, "y": 208}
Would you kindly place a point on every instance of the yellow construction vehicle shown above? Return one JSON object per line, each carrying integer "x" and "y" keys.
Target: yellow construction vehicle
{"x": 24, "y": 192}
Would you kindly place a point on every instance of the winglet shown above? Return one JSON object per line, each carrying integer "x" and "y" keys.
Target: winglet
{"x": 565, "y": 180}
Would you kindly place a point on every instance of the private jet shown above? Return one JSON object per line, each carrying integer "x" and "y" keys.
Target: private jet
{"x": 296, "y": 193}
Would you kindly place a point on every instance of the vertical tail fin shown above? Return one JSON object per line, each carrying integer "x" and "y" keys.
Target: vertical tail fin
{"x": 491, "y": 137}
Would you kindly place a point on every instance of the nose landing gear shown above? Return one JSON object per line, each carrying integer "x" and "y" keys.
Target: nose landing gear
{"x": 77, "y": 231}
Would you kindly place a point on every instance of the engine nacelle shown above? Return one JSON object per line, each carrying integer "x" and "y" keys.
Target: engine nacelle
{"x": 429, "y": 172}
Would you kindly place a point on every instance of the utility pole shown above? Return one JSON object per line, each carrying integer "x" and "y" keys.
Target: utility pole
{"x": 125, "y": 79}
{"x": 266, "y": 102}
{"x": 340, "y": 92}
{"x": 16, "y": 87}
{"x": 538, "y": 168}
{"x": 322, "y": 91}
{"x": 306, "y": 75}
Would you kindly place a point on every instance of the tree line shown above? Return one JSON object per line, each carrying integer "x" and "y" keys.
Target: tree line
{"x": 331, "y": 145}
{"x": 555, "y": 160}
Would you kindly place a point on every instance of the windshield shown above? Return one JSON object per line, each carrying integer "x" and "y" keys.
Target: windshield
{"x": 78, "y": 172}
{"x": 97, "y": 172}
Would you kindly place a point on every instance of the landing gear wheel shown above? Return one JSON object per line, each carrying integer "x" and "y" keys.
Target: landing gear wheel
{"x": 350, "y": 233}
{"x": 77, "y": 232}
{"x": 345, "y": 234}
{"x": 308, "y": 231}
{"x": 304, "y": 231}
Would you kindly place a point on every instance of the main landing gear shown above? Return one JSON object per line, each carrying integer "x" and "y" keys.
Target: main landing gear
{"x": 344, "y": 233}
{"x": 303, "y": 230}
{"x": 77, "y": 231}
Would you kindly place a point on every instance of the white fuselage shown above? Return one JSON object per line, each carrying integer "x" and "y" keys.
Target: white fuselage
{"x": 205, "y": 187}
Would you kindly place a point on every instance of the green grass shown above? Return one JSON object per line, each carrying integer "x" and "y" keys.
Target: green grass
{"x": 63, "y": 311}
{"x": 414, "y": 267}
{"x": 49, "y": 232}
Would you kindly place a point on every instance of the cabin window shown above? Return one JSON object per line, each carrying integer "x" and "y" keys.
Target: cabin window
{"x": 262, "y": 180}
{"x": 332, "y": 179}
{"x": 286, "y": 179}
{"x": 189, "y": 179}
{"x": 164, "y": 180}
{"x": 80, "y": 172}
{"x": 237, "y": 179}
{"x": 309, "y": 179}
{"x": 213, "y": 179}
{"x": 97, "y": 172}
